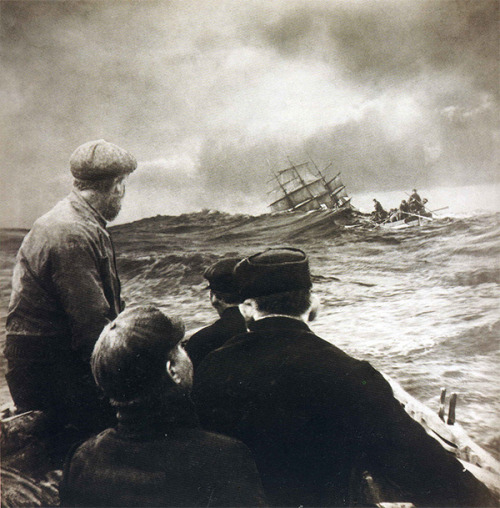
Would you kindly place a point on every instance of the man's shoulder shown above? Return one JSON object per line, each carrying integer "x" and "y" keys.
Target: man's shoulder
{"x": 62, "y": 222}
{"x": 203, "y": 332}
{"x": 297, "y": 349}
{"x": 89, "y": 449}
{"x": 220, "y": 443}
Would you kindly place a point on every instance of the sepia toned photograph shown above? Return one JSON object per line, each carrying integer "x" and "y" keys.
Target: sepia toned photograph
{"x": 250, "y": 253}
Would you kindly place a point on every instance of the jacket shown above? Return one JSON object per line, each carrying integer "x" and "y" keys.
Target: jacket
{"x": 314, "y": 418}
{"x": 161, "y": 460}
{"x": 65, "y": 285}
{"x": 211, "y": 337}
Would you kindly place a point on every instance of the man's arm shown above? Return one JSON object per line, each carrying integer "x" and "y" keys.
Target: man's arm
{"x": 77, "y": 277}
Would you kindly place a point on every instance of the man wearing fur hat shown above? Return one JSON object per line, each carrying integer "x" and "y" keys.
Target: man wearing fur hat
{"x": 65, "y": 288}
{"x": 157, "y": 455}
{"x": 315, "y": 418}
{"x": 224, "y": 298}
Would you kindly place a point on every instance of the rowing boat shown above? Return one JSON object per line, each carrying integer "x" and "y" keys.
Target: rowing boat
{"x": 412, "y": 221}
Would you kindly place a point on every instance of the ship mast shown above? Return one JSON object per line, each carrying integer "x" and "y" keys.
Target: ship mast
{"x": 287, "y": 197}
{"x": 331, "y": 191}
{"x": 302, "y": 181}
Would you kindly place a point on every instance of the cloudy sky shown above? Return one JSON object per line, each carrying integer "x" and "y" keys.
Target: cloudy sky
{"x": 209, "y": 95}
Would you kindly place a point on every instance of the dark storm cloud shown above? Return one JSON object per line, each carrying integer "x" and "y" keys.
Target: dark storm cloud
{"x": 210, "y": 95}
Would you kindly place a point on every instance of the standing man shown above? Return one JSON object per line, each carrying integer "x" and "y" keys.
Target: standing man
{"x": 415, "y": 197}
{"x": 157, "y": 455}
{"x": 65, "y": 288}
{"x": 379, "y": 212}
{"x": 415, "y": 202}
{"x": 224, "y": 298}
{"x": 315, "y": 418}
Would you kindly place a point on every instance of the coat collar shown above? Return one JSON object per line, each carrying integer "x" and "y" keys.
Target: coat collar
{"x": 84, "y": 208}
{"x": 278, "y": 322}
{"x": 156, "y": 418}
{"x": 232, "y": 312}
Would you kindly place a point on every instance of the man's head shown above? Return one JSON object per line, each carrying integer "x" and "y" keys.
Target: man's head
{"x": 276, "y": 281}
{"x": 99, "y": 169}
{"x": 223, "y": 289}
{"x": 139, "y": 355}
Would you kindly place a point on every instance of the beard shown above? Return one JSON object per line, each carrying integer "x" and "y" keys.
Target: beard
{"x": 112, "y": 208}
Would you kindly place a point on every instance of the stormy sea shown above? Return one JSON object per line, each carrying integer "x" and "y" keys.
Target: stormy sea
{"x": 421, "y": 304}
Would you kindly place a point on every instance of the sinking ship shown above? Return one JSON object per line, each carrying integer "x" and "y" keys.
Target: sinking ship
{"x": 303, "y": 187}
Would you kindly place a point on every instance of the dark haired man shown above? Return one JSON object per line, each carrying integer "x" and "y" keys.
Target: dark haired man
{"x": 157, "y": 455}
{"x": 315, "y": 418}
{"x": 65, "y": 289}
{"x": 224, "y": 298}
{"x": 403, "y": 210}
{"x": 379, "y": 213}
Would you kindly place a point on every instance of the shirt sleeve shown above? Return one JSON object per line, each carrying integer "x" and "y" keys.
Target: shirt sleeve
{"x": 77, "y": 279}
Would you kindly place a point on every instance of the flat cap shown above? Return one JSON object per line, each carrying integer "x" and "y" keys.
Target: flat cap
{"x": 275, "y": 270}
{"x": 220, "y": 276}
{"x": 130, "y": 355}
{"x": 97, "y": 160}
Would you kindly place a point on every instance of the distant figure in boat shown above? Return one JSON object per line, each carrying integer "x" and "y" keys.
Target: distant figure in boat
{"x": 315, "y": 418}
{"x": 65, "y": 289}
{"x": 415, "y": 197}
{"x": 157, "y": 455}
{"x": 379, "y": 213}
{"x": 224, "y": 298}
{"x": 423, "y": 209}
{"x": 403, "y": 210}
{"x": 393, "y": 215}
{"x": 415, "y": 202}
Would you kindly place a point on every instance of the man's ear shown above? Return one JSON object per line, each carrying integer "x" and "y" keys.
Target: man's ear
{"x": 172, "y": 371}
{"x": 313, "y": 309}
{"x": 248, "y": 309}
{"x": 119, "y": 185}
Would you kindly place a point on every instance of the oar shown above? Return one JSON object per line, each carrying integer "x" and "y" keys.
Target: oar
{"x": 419, "y": 216}
{"x": 439, "y": 209}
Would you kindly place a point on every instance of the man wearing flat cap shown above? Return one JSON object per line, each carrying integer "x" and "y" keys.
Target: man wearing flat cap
{"x": 65, "y": 288}
{"x": 157, "y": 455}
{"x": 315, "y": 418}
{"x": 224, "y": 298}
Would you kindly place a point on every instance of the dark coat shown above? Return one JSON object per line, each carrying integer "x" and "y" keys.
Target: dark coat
{"x": 65, "y": 288}
{"x": 312, "y": 416}
{"x": 212, "y": 337}
{"x": 165, "y": 462}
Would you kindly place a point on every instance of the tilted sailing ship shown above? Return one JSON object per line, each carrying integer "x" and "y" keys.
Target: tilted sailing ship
{"x": 303, "y": 187}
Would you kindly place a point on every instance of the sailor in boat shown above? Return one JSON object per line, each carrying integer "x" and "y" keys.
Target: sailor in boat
{"x": 379, "y": 213}
{"x": 224, "y": 298}
{"x": 316, "y": 419}
{"x": 393, "y": 215}
{"x": 415, "y": 202}
{"x": 157, "y": 455}
{"x": 65, "y": 289}
{"x": 403, "y": 210}
{"x": 423, "y": 209}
